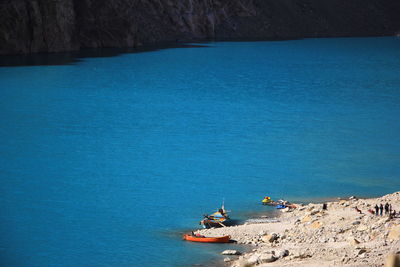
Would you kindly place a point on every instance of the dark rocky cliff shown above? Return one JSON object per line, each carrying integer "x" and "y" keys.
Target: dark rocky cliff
{"x": 29, "y": 26}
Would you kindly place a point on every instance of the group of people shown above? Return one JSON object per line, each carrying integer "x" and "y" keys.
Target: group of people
{"x": 388, "y": 210}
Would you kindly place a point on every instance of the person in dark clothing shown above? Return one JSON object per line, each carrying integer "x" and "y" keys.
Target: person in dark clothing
{"x": 381, "y": 209}
{"x": 324, "y": 206}
{"x": 390, "y": 208}
{"x": 376, "y": 210}
{"x": 386, "y": 208}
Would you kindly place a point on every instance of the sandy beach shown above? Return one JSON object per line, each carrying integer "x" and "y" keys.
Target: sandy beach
{"x": 311, "y": 236}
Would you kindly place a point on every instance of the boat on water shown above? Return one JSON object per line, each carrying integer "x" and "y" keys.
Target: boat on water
{"x": 267, "y": 201}
{"x": 203, "y": 239}
{"x": 219, "y": 218}
{"x": 279, "y": 204}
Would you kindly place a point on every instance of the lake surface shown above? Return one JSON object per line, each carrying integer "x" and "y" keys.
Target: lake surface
{"x": 106, "y": 161}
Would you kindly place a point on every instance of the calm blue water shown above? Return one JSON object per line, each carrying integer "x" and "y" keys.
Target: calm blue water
{"x": 107, "y": 161}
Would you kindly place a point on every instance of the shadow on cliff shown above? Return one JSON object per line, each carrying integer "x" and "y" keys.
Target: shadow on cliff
{"x": 71, "y": 58}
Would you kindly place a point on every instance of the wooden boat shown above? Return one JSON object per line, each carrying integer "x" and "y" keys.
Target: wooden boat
{"x": 217, "y": 219}
{"x": 193, "y": 238}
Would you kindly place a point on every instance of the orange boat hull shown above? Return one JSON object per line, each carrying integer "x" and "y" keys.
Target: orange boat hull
{"x": 222, "y": 239}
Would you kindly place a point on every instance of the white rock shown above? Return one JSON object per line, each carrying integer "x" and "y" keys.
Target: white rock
{"x": 266, "y": 257}
{"x": 254, "y": 259}
{"x": 282, "y": 253}
{"x": 231, "y": 252}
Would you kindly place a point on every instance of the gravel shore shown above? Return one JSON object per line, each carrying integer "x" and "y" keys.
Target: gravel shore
{"x": 311, "y": 236}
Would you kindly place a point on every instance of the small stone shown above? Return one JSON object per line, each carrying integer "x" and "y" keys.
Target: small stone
{"x": 283, "y": 253}
{"x": 270, "y": 238}
{"x": 231, "y": 252}
{"x": 227, "y": 259}
{"x": 356, "y": 223}
{"x": 353, "y": 241}
{"x": 361, "y": 251}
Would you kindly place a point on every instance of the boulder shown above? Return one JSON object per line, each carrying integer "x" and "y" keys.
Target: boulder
{"x": 242, "y": 263}
{"x": 267, "y": 257}
{"x": 231, "y": 252}
{"x": 254, "y": 259}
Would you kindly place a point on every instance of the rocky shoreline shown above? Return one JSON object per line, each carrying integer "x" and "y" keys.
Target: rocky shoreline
{"x": 311, "y": 236}
{"x": 39, "y": 26}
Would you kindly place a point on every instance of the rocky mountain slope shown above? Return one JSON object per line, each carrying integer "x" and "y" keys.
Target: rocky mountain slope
{"x": 29, "y": 26}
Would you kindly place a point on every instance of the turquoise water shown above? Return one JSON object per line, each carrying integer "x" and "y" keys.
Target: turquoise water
{"x": 106, "y": 161}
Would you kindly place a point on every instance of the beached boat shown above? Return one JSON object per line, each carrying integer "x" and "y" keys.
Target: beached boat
{"x": 279, "y": 204}
{"x": 217, "y": 219}
{"x": 194, "y": 238}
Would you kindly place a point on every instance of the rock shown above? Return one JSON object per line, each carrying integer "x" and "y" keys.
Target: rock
{"x": 301, "y": 256}
{"x": 353, "y": 241}
{"x": 227, "y": 259}
{"x": 356, "y": 223}
{"x": 266, "y": 258}
{"x": 314, "y": 212}
{"x": 361, "y": 251}
{"x": 242, "y": 263}
{"x": 48, "y": 26}
{"x": 287, "y": 209}
{"x": 253, "y": 259}
{"x": 270, "y": 238}
{"x": 282, "y": 253}
{"x": 352, "y": 198}
{"x": 231, "y": 252}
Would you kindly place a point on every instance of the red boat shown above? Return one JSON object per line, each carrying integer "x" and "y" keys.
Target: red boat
{"x": 194, "y": 238}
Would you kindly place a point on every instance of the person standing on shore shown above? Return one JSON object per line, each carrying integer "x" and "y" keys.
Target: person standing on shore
{"x": 381, "y": 209}
{"x": 386, "y": 208}
{"x": 390, "y": 208}
{"x": 376, "y": 210}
